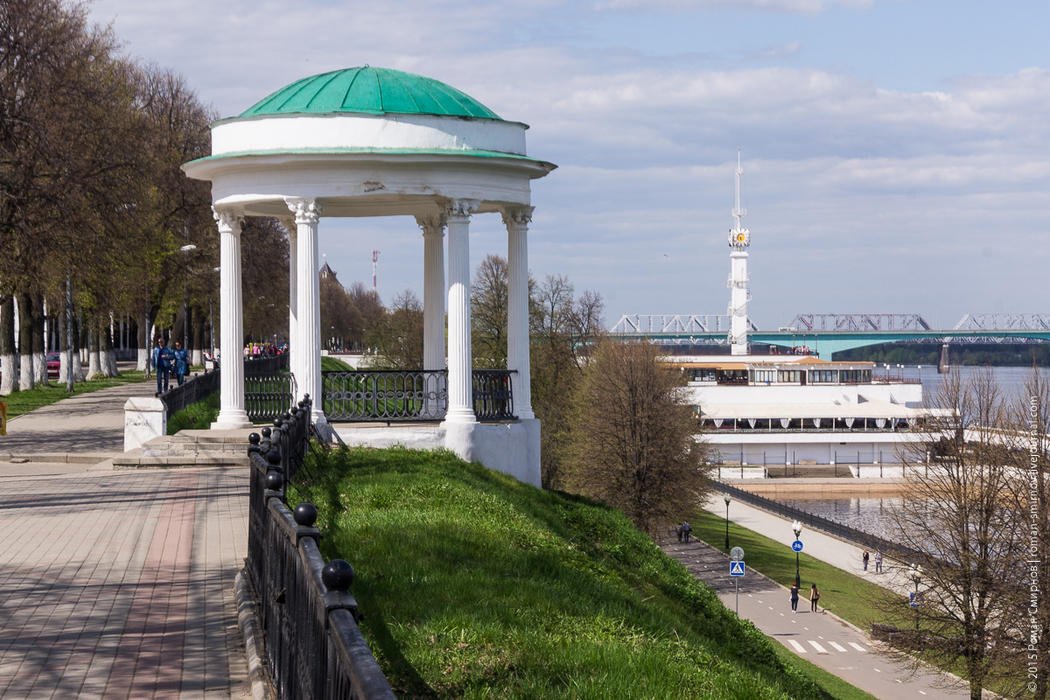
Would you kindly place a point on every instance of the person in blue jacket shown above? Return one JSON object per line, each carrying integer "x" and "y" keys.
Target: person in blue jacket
{"x": 180, "y": 362}
{"x": 162, "y": 357}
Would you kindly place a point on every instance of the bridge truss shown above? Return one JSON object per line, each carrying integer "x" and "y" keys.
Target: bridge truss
{"x": 857, "y": 322}
{"x": 679, "y": 325}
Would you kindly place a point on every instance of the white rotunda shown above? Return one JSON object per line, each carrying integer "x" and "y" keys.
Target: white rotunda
{"x": 377, "y": 142}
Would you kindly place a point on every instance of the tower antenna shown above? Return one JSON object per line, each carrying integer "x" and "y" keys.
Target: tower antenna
{"x": 739, "y": 240}
{"x": 375, "y": 260}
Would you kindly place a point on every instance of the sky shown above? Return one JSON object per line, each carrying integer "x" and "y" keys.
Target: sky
{"x": 896, "y": 153}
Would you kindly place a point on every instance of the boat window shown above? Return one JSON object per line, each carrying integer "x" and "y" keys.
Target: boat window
{"x": 789, "y": 375}
{"x": 823, "y": 376}
{"x": 763, "y": 376}
{"x": 706, "y": 374}
{"x": 856, "y": 376}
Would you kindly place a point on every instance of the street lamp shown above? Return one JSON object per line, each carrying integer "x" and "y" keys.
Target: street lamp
{"x": 915, "y": 574}
{"x": 727, "y": 498}
{"x": 796, "y": 527}
{"x": 188, "y": 248}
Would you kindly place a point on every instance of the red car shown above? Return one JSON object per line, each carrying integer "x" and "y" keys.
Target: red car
{"x": 54, "y": 364}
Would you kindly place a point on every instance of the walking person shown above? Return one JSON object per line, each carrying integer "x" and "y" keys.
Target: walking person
{"x": 686, "y": 529}
{"x": 878, "y": 562}
{"x": 162, "y": 363}
{"x": 864, "y": 558}
{"x": 794, "y": 598}
{"x": 180, "y": 362}
{"x": 814, "y": 596}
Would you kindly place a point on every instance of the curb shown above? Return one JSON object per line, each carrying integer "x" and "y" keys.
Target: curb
{"x": 248, "y": 621}
{"x": 57, "y": 457}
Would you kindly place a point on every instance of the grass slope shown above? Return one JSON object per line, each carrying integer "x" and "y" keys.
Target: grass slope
{"x": 475, "y": 585}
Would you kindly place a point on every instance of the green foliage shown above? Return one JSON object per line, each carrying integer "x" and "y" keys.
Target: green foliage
{"x": 995, "y": 355}
{"x": 476, "y": 585}
{"x": 198, "y": 416}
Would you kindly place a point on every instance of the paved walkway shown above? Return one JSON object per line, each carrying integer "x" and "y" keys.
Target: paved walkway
{"x": 115, "y": 584}
{"x": 822, "y": 639}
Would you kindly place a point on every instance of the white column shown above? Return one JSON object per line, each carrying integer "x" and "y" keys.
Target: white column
{"x": 293, "y": 295}
{"x": 517, "y": 222}
{"x": 460, "y": 396}
{"x": 433, "y": 291}
{"x": 231, "y": 412}
{"x": 308, "y": 319}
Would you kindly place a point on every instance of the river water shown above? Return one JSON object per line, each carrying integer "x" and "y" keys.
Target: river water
{"x": 869, "y": 514}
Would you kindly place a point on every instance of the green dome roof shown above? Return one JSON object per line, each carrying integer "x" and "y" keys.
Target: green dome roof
{"x": 368, "y": 90}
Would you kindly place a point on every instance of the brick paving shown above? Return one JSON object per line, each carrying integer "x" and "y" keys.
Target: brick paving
{"x": 117, "y": 584}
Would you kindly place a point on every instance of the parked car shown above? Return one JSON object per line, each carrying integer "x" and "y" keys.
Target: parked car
{"x": 54, "y": 364}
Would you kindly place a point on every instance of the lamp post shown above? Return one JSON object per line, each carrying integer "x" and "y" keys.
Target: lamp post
{"x": 727, "y": 499}
{"x": 186, "y": 249}
{"x": 796, "y": 527}
{"x": 915, "y": 574}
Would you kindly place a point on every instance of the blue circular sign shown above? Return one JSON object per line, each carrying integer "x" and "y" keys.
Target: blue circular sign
{"x": 796, "y": 545}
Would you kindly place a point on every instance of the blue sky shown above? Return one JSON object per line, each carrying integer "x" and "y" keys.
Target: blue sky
{"x": 896, "y": 152}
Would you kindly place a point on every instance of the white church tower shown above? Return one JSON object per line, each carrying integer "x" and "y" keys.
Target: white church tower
{"x": 739, "y": 239}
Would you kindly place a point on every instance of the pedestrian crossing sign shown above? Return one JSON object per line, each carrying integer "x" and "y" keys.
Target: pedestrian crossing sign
{"x": 736, "y": 568}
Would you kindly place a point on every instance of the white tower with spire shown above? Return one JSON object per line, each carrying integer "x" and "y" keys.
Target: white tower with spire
{"x": 739, "y": 239}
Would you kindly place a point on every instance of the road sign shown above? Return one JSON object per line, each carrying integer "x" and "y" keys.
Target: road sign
{"x": 736, "y": 554}
{"x": 736, "y": 568}
{"x": 797, "y": 545}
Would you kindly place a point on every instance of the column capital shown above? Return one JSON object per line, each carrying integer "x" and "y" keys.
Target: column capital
{"x": 517, "y": 217}
{"x": 461, "y": 209}
{"x": 307, "y": 210}
{"x": 229, "y": 219}
{"x": 432, "y": 225}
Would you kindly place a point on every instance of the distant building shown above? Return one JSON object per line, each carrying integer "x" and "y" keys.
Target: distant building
{"x": 327, "y": 272}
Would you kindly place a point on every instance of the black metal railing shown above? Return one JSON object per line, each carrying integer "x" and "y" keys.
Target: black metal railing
{"x": 386, "y": 395}
{"x": 493, "y": 398}
{"x": 194, "y": 389}
{"x": 313, "y": 647}
{"x": 268, "y": 396}
{"x": 270, "y": 364}
{"x": 845, "y": 532}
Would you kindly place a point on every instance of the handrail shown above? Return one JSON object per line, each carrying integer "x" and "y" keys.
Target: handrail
{"x": 314, "y": 649}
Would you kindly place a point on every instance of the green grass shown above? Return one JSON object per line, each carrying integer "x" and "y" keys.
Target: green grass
{"x": 25, "y": 401}
{"x": 842, "y": 593}
{"x": 198, "y": 416}
{"x": 475, "y": 585}
{"x": 331, "y": 364}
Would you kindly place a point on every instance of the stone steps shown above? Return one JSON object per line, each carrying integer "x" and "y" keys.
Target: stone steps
{"x": 190, "y": 448}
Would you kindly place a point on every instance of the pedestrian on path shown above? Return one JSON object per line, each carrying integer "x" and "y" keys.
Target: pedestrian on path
{"x": 162, "y": 357}
{"x": 686, "y": 530}
{"x": 180, "y": 364}
{"x": 878, "y": 562}
{"x": 814, "y": 596}
{"x": 794, "y": 598}
{"x": 864, "y": 558}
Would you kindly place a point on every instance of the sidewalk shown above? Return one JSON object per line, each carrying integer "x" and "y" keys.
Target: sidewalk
{"x": 115, "y": 584}
{"x": 822, "y": 639}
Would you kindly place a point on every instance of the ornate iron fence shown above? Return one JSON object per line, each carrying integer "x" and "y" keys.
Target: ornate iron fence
{"x": 387, "y": 395}
{"x": 268, "y": 396}
{"x": 314, "y": 649}
{"x": 493, "y": 398}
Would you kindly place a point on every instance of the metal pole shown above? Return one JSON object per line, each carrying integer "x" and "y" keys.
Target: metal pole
{"x": 69, "y": 331}
{"x": 798, "y": 580}
{"x": 727, "y": 526}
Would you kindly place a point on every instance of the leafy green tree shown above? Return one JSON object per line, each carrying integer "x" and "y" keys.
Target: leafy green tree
{"x": 633, "y": 442}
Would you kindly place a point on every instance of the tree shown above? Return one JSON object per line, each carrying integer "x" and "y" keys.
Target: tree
{"x": 634, "y": 442}
{"x": 340, "y": 319}
{"x": 956, "y": 518}
{"x": 264, "y": 256}
{"x": 564, "y": 330}
{"x": 489, "y": 293}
